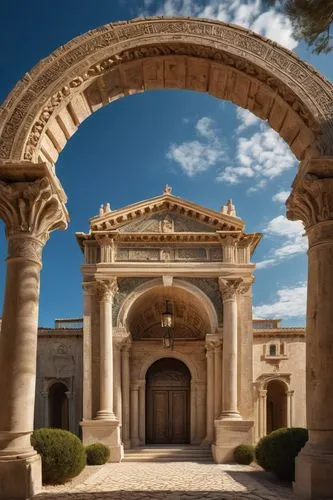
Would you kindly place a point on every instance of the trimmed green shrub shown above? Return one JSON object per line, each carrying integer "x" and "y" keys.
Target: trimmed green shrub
{"x": 97, "y": 454}
{"x": 63, "y": 454}
{"x": 277, "y": 451}
{"x": 244, "y": 454}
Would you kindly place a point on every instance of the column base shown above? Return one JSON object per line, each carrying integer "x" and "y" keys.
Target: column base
{"x": 230, "y": 415}
{"x": 20, "y": 479}
{"x": 314, "y": 473}
{"x": 106, "y": 432}
{"x": 228, "y": 435}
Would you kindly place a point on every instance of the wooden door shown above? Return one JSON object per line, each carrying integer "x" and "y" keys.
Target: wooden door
{"x": 167, "y": 405}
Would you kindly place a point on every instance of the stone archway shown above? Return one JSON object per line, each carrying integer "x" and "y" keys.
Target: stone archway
{"x": 45, "y": 109}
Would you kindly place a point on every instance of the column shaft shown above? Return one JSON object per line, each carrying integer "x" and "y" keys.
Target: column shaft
{"x": 142, "y": 413}
{"x": 106, "y": 360}
{"x": 210, "y": 395}
{"x": 217, "y": 380}
{"x": 230, "y": 362}
{"x": 135, "y": 416}
{"x": 18, "y": 351}
{"x": 117, "y": 383}
{"x": 126, "y": 396}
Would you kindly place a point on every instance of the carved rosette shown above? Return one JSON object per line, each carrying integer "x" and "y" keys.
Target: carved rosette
{"x": 311, "y": 200}
{"x": 107, "y": 289}
{"x": 229, "y": 288}
{"x": 30, "y": 211}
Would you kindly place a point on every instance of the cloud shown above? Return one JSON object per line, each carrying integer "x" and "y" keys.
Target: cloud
{"x": 263, "y": 155}
{"x": 246, "y": 118}
{"x": 290, "y": 235}
{"x": 281, "y": 197}
{"x": 201, "y": 154}
{"x": 250, "y": 14}
{"x": 290, "y": 303}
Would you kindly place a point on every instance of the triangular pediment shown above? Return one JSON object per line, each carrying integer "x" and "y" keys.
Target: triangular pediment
{"x": 165, "y": 214}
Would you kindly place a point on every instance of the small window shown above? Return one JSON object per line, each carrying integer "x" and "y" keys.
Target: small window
{"x": 282, "y": 349}
{"x": 272, "y": 350}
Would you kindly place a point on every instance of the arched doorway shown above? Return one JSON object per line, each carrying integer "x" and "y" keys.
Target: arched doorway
{"x": 276, "y": 405}
{"x": 58, "y": 406}
{"x": 168, "y": 402}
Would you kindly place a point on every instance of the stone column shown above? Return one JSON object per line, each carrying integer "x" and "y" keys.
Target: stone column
{"x": 89, "y": 290}
{"x": 289, "y": 397}
{"x": 105, "y": 427}
{"x": 217, "y": 379}
{"x": 210, "y": 393}
{"x": 262, "y": 398}
{"x": 46, "y": 409}
{"x": 106, "y": 291}
{"x": 229, "y": 289}
{"x": 125, "y": 366}
{"x": 135, "y": 415}
{"x": 311, "y": 201}
{"x": 142, "y": 412}
{"x": 117, "y": 382}
{"x": 194, "y": 416}
{"x": 30, "y": 211}
{"x": 71, "y": 411}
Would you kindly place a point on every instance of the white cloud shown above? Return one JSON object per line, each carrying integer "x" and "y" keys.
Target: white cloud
{"x": 281, "y": 197}
{"x": 290, "y": 235}
{"x": 263, "y": 156}
{"x": 246, "y": 118}
{"x": 290, "y": 303}
{"x": 199, "y": 155}
{"x": 249, "y": 14}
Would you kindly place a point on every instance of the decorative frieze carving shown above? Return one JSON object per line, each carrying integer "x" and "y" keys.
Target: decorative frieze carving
{"x": 121, "y": 42}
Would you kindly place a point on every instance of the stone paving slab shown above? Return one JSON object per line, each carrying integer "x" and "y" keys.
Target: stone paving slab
{"x": 171, "y": 481}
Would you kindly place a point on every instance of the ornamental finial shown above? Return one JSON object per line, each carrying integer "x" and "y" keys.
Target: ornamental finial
{"x": 167, "y": 189}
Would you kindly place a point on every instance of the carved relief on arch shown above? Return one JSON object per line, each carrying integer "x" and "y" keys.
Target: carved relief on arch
{"x": 24, "y": 113}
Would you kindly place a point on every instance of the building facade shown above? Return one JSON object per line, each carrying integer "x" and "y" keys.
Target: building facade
{"x": 167, "y": 351}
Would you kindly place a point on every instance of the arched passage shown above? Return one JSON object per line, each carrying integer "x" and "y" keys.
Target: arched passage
{"x": 276, "y": 405}
{"x": 168, "y": 402}
{"x": 45, "y": 109}
{"x": 58, "y": 406}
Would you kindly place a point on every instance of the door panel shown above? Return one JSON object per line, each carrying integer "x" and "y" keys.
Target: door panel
{"x": 178, "y": 416}
{"x": 160, "y": 416}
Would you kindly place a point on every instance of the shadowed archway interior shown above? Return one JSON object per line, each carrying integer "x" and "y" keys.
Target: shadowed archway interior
{"x": 58, "y": 406}
{"x": 276, "y": 405}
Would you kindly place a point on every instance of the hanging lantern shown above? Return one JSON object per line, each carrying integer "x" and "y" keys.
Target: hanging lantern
{"x": 167, "y": 324}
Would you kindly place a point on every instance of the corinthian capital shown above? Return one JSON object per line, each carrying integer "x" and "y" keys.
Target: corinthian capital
{"x": 230, "y": 287}
{"x": 31, "y": 208}
{"x": 107, "y": 289}
{"x": 311, "y": 199}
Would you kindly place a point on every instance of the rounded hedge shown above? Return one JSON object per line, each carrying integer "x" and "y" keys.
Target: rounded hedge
{"x": 63, "y": 454}
{"x": 277, "y": 451}
{"x": 244, "y": 454}
{"x": 97, "y": 454}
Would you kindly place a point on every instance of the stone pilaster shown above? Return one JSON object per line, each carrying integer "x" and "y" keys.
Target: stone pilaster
{"x": 210, "y": 393}
{"x": 125, "y": 371}
{"x": 311, "y": 201}
{"x": 30, "y": 211}
{"x": 135, "y": 415}
{"x": 89, "y": 290}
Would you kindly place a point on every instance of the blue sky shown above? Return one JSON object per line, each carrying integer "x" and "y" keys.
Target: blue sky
{"x": 206, "y": 149}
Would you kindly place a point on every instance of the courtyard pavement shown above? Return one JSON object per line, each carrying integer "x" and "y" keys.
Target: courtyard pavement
{"x": 171, "y": 481}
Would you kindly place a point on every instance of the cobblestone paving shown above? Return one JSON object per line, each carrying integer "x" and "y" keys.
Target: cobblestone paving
{"x": 171, "y": 481}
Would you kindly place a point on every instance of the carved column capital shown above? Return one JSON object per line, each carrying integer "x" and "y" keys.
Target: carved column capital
{"x": 230, "y": 287}
{"x": 106, "y": 289}
{"x": 246, "y": 285}
{"x": 311, "y": 199}
{"x": 31, "y": 209}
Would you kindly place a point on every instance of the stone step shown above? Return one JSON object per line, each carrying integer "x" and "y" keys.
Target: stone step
{"x": 169, "y": 454}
